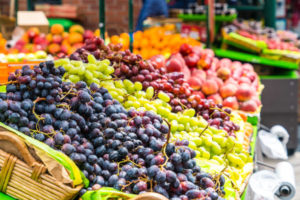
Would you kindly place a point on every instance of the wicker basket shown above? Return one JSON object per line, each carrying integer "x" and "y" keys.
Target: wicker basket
{"x": 24, "y": 177}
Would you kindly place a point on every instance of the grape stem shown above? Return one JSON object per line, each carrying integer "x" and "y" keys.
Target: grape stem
{"x": 67, "y": 93}
{"x": 33, "y": 111}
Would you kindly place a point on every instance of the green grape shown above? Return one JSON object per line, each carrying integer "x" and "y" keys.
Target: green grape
{"x": 109, "y": 70}
{"x": 76, "y": 63}
{"x": 88, "y": 75}
{"x": 238, "y": 147}
{"x": 174, "y": 126}
{"x": 218, "y": 159}
{"x": 128, "y": 104}
{"x": 198, "y": 141}
{"x": 163, "y": 96}
{"x": 215, "y": 147}
{"x": 138, "y": 86}
{"x": 204, "y": 153}
{"x": 136, "y": 104}
{"x": 207, "y": 140}
{"x": 68, "y": 67}
{"x": 74, "y": 78}
{"x": 91, "y": 59}
{"x": 184, "y": 119}
{"x": 230, "y": 142}
{"x": 102, "y": 67}
{"x": 189, "y": 112}
{"x": 149, "y": 92}
{"x": 180, "y": 127}
{"x": 192, "y": 145}
{"x": 188, "y": 127}
{"x": 91, "y": 67}
{"x": 95, "y": 80}
{"x": 119, "y": 84}
{"x": 61, "y": 62}
{"x": 219, "y": 139}
{"x": 150, "y": 108}
{"x": 243, "y": 156}
{"x": 140, "y": 94}
{"x": 81, "y": 70}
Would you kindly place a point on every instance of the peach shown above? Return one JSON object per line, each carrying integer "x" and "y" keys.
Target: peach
{"x": 231, "y": 80}
{"x": 249, "y": 106}
{"x": 195, "y": 83}
{"x": 216, "y": 98}
{"x": 223, "y": 73}
{"x": 228, "y": 89}
{"x": 210, "y": 74}
{"x": 248, "y": 67}
{"x": 244, "y": 92}
{"x": 197, "y": 50}
{"x": 210, "y": 87}
{"x": 225, "y": 62}
{"x": 186, "y": 72}
{"x": 244, "y": 79}
{"x": 199, "y": 93}
{"x": 198, "y": 73}
{"x": 231, "y": 102}
{"x": 218, "y": 81}
{"x": 236, "y": 65}
{"x": 257, "y": 101}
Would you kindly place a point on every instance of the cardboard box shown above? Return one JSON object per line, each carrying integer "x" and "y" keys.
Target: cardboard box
{"x": 27, "y": 19}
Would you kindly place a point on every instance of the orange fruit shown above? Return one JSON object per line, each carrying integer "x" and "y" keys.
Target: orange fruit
{"x": 76, "y": 29}
{"x": 75, "y": 38}
{"x": 57, "y": 29}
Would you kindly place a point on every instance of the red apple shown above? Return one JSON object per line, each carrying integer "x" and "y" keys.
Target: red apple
{"x": 244, "y": 92}
{"x": 231, "y": 102}
{"x": 249, "y": 106}
{"x": 195, "y": 83}
{"x": 185, "y": 49}
{"x": 210, "y": 87}
{"x": 191, "y": 60}
{"x": 228, "y": 89}
{"x": 216, "y": 98}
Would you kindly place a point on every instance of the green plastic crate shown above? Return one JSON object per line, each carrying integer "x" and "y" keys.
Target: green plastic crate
{"x": 66, "y": 23}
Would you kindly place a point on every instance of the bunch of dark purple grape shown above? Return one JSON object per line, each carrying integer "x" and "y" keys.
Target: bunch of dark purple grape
{"x": 127, "y": 150}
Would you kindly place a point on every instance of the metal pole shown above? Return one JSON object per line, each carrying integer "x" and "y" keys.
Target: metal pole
{"x": 29, "y": 5}
{"x": 102, "y": 18}
{"x": 130, "y": 6}
{"x": 16, "y": 8}
{"x": 270, "y": 13}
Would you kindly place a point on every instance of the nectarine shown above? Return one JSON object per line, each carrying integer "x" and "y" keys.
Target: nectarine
{"x": 210, "y": 87}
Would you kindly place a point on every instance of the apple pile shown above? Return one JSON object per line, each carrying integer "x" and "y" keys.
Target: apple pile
{"x": 226, "y": 82}
{"x": 58, "y": 42}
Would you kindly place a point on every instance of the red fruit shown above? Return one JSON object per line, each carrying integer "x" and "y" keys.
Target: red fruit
{"x": 216, "y": 98}
{"x": 88, "y": 34}
{"x": 236, "y": 65}
{"x": 39, "y": 39}
{"x": 257, "y": 101}
{"x": 225, "y": 62}
{"x": 249, "y": 106}
{"x": 186, "y": 72}
{"x": 210, "y": 74}
{"x": 198, "y": 93}
{"x": 231, "y": 102}
{"x": 218, "y": 81}
{"x": 197, "y": 50}
{"x": 198, "y": 73}
{"x": 191, "y": 60}
{"x": 204, "y": 63}
{"x": 231, "y": 80}
{"x": 248, "y": 67}
{"x": 57, "y": 39}
{"x": 158, "y": 60}
{"x": 173, "y": 65}
{"x": 195, "y": 83}
{"x": 185, "y": 49}
{"x": 244, "y": 79}
{"x": 228, "y": 89}
{"x": 210, "y": 87}
{"x": 207, "y": 53}
{"x": 244, "y": 92}
{"x": 223, "y": 73}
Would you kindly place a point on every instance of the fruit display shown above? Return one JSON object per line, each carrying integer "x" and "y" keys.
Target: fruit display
{"x": 128, "y": 150}
{"x": 221, "y": 9}
{"x": 22, "y": 57}
{"x": 154, "y": 41}
{"x": 135, "y": 92}
{"x": 233, "y": 84}
{"x": 58, "y": 42}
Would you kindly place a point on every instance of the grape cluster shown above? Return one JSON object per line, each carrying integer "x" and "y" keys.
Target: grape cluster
{"x": 127, "y": 150}
{"x": 130, "y": 66}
